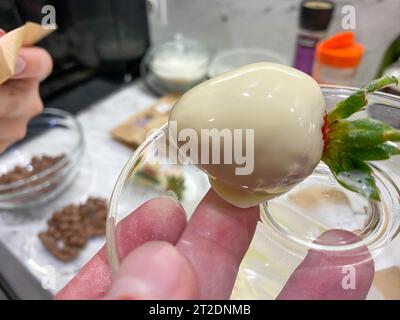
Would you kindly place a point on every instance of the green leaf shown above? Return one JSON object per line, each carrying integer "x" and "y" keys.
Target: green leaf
{"x": 358, "y": 100}
{"x": 363, "y": 133}
{"x": 354, "y": 174}
{"x": 177, "y": 185}
{"x": 360, "y": 182}
{"x": 347, "y": 107}
{"x": 380, "y": 83}
{"x": 381, "y": 152}
{"x": 351, "y": 143}
{"x": 349, "y": 162}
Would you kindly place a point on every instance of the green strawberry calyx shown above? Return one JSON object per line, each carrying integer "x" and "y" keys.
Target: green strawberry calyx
{"x": 350, "y": 144}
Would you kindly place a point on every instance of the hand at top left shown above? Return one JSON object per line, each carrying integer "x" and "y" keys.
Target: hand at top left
{"x": 19, "y": 96}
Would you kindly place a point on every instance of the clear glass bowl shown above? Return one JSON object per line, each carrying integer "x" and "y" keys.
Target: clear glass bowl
{"x": 47, "y": 184}
{"x": 175, "y": 65}
{"x": 290, "y": 223}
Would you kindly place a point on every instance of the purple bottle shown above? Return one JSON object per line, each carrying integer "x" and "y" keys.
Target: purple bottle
{"x": 315, "y": 16}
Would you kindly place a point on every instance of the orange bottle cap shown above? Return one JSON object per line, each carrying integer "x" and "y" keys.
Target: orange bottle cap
{"x": 340, "y": 51}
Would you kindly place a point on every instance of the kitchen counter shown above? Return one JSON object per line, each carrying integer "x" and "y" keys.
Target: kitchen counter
{"x": 102, "y": 162}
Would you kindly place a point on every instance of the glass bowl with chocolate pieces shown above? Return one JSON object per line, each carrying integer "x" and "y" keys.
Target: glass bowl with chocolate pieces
{"x": 41, "y": 166}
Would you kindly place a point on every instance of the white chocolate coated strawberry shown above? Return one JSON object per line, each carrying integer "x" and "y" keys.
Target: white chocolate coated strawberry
{"x": 285, "y": 108}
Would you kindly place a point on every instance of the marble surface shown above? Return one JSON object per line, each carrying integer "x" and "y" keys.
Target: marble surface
{"x": 102, "y": 162}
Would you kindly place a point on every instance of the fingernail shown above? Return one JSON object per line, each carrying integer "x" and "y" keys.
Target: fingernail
{"x": 155, "y": 270}
{"x": 20, "y": 66}
{"x": 2, "y": 32}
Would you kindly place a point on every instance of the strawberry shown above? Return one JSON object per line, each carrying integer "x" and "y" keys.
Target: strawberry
{"x": 279, "y": 115}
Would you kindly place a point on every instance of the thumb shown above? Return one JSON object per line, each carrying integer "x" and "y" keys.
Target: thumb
{"x": 330, "y": 275}
{"x": 155, "y": 270}
{"x": 33, "y": 63}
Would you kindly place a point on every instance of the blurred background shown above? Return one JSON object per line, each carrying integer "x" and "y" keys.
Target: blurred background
{"x": 274, "y": 25}
{"x": 111, "y": 37}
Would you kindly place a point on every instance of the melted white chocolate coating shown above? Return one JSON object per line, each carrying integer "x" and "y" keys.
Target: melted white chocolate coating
{"x": 284, "y": 106}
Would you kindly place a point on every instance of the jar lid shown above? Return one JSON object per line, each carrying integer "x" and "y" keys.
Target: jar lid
{"x": 340, "y": 50}
{"x": 315, "y": 15}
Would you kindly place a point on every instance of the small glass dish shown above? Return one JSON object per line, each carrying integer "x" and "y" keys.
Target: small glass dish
{"x": 175, "y": 65}
{"x": 290, "y": 223}
{"x": 54, "y": 133}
